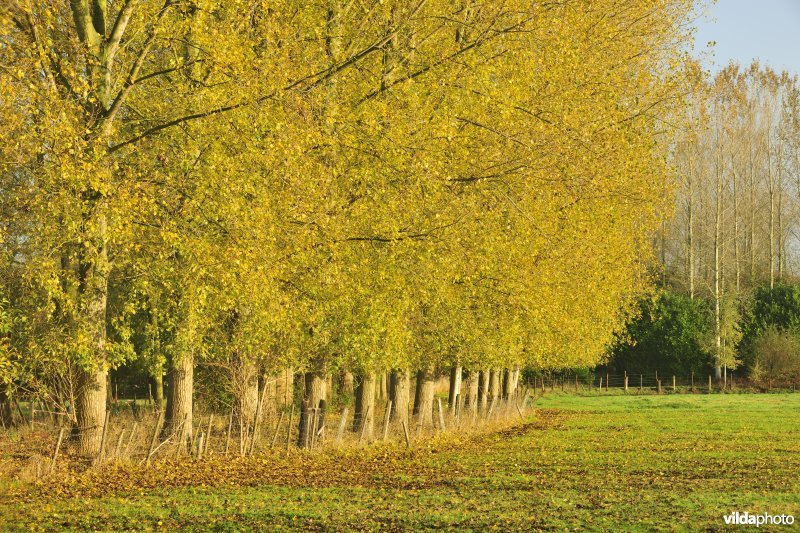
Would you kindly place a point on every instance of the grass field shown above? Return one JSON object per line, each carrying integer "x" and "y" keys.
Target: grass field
{"x": 599, "y": 462}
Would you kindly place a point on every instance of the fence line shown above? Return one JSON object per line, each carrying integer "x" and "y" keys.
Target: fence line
{"x": 211, "y": 439}
{"x": 655, "y": 382}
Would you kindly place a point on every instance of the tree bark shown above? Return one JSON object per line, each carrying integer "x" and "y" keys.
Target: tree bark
{"x": 508, "y": 383}
{"x": 417, "y": 390}
{"x": 483, "y": 389}
{"x": 158, "y": 392}
{"x": 494, "y": 384}
{"x": 718, "y": 257}
{"x": 315, "y": 391}
{"x": 180, "y": 403}
{"x": 91, "y": 397}
{"x": 347, "y": 383}
{"x": 246, "y": 390}
{"x": 90, "y": 410}
{"x": 690, "y": 227}
{"x": 400, "y": 395}
{"x": 383, "y": 386}
{"x": 269, "y": 385}
{"x": 455, "y": 388}
{"x": 285, "y": 386}
{"x": 6, "y": 409}
{"x": 365, "y": 405}
{"x": 424, "y": 405}
{"x": 473, "y": 387}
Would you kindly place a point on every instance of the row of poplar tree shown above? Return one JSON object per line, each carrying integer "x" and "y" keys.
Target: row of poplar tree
{"x": 734, "y": 233}
{"x": 367, "y": 185}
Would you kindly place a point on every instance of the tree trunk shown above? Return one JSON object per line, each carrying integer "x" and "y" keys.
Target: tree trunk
{"x": 508, "y": 383}
{"x": 246, "y": 390}
{"x": 365, "y": 405}
{"x": 455, "y": 388}
{"x": 315, "y": 391}
{"x": 718, "y": 260}
{"x": 494, "y": 384}
{"x": 779, "y": 210}
{"x": 735, "y": 224}
{"x": 472, "y": 386}
{"x": 179, "y": 406}
{"x": 771, "y": 190}
{"x": 384, "y": 386}
{"x": 158, "y": 392}
{"x": 90, "y": 401}
{"x": 90, "y": 410}
{"x": 418, "y": 391}
{"x": 690, "y": 229}
{"x": 400, "y": 395}
{"x": 269, "y": 385}
{"x": 347, "y": 383}
{"x": 424, "y": 406}
{"x": 483, "y": 389}
{"x": 285, "y": 386}
{"x": 6, "y": 409}
{"x": 109, "y": 390}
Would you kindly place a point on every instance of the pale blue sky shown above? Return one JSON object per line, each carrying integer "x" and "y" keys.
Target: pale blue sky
{"x": 749, "y": 29}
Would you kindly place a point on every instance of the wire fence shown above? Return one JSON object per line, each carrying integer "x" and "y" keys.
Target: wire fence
{"x": 137, "y": 432}
{"x": 659, "y": 383}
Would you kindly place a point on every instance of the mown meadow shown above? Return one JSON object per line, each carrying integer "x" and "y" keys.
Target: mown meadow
{"x": 587, "y": 462}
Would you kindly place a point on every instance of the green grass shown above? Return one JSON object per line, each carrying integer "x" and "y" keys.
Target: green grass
{"x": 616, "y": 462}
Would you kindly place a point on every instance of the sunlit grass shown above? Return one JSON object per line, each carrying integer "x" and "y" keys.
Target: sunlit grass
{"x": 588, "y": 462}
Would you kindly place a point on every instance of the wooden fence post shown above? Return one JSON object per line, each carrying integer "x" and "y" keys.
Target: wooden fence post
{"x": 342, "y": 424}
{"x": 55, "y": 452}
{"x": 277, "y": 429}
{"x": 389, "y": 412}
{"x": 709, "y": 383}
{"x": 228, "y": 433}
{"x": 289, "y": 430}
{"x": 181, "y": 437}
{"x": 658, "y": 385}
{"x": 151, "y": 450}
{"x": 441, "y": 416}
{"x": 525, "y": 397}
{"x": 674, "y": 388}
{"x": 118, "y": 448}
{"x": 310, "y": 426}
{"x": 363, "y": 424}
{"x": 405, "y": 432}
{"x": 101, "y": 455}
{"x": 625, "y": 384}
{"x": 130, "y": 440}
{"x": 208, "y": 433}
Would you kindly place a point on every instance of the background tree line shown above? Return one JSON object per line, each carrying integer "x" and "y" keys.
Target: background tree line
{"x": 728, "y": 254}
